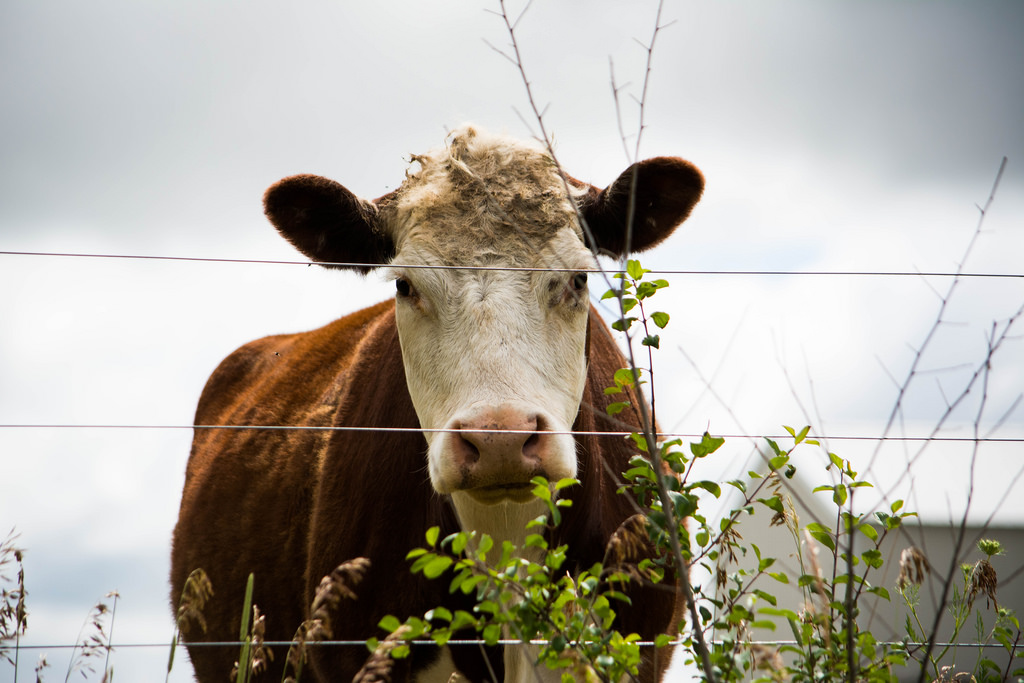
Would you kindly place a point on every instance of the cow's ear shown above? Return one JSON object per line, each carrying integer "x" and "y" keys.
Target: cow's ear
{"x": 328, "y": 223}
{"x": 666, "y": 190}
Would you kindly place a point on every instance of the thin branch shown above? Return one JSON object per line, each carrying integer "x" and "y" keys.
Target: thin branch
{"x": 941, "y": 312}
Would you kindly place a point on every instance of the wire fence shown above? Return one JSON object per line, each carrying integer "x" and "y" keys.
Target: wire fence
{"x": 440, "y": 430}
{"x": 359, "y": 265}
{"x": 29, "y": 647}
{"x": 468, "y": 641}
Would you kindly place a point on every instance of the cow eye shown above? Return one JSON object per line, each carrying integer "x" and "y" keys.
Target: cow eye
{"x": 403, "y": 287}
{"x": 579, "y": 281}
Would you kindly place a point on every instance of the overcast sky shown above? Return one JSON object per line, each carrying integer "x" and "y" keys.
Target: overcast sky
{"x": 834, "y": 136}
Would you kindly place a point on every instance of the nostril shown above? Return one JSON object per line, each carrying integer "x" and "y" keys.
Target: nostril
{"x": 531, "y": 448}
{"x": 467, "y": 452}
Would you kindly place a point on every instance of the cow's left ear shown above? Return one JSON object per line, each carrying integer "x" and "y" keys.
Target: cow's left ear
{"x": 666, "y": 190}
{"x": 328, "y": 223}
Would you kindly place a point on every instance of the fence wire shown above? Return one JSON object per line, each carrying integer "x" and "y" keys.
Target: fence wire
{"x": 346, "y": 264}
{"x": 469, "y": 641}
{"x": 442, "y": 430}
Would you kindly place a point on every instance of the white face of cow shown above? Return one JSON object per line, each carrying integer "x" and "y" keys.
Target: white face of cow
{"x": 485, "y": 247}
{"x": 497, "y": 356}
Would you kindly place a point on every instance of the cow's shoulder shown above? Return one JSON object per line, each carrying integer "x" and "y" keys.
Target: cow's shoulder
{"x": 283, "y": 376}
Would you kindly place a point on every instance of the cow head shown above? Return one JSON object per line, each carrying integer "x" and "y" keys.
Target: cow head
{"x": 485, "y": 245}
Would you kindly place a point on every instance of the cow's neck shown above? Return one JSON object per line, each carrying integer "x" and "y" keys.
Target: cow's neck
{"x": 502, "y": 522}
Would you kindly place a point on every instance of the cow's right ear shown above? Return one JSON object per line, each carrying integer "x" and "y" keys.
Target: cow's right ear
{"x": 327, "y": 223}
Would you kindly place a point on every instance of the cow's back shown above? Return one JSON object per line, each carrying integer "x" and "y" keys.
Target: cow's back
{"x": 248, "y": 493}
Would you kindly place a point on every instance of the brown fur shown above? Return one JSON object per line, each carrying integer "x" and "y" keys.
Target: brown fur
{"x": 291, "y": 505}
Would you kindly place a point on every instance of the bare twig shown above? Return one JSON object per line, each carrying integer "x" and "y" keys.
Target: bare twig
{"x": 940, "y": 316}
{"x": 646, "y": 419}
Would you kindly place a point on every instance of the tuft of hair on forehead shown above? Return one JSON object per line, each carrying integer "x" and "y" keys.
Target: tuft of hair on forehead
{"x": 482, "y": 195}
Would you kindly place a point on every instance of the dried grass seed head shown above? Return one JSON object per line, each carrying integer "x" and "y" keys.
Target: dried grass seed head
{"x": 984, "y": 581}
{"x": 194, "y": 596}
{"x": 630, "y": 543}
{"x": 914, "y": 567}
{"x": 340, "y": 583}
{"x": 379, "y": 665}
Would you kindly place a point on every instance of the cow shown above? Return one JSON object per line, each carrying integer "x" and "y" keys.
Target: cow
{"x": 487, "y": 369}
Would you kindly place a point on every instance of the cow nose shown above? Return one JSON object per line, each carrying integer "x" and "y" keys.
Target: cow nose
{"x": 497, "y": 436}
{"x": 496, "y": 451}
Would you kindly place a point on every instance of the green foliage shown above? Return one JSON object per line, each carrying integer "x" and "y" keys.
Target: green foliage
{"x": 631, "y": 293}
{"x": 979, "y": 578}
{"x": 526, "y": 594}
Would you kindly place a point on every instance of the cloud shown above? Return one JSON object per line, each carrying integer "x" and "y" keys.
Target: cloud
{"x": 833, "y": 137}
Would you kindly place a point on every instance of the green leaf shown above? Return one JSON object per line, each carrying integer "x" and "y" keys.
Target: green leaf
{"x": 616, "y": 407}
{"x": 432, "y": 534}
{"x": 645, "y": 289}
{"x": 488, "y": 607}
{"x": 640, "y": 441}
{"x": 708, "y": 445}
{"x": 652, "y": 340}
{"x": 458, "y": 579}
{"x": 822, "y": 535}
{"x": 492, "y": 634}
{"x": 624, "y": 377}
{"x": 635, "y": 270}
{"x": 459, "y": 543}
{"x": 441, "y": 613}
{"x": 879, "y": 591}
{"x": 436, "y": 567}
{"x": 462, "y": 619}
{"x": 566, "y": 483}
{"x": 839, "y": 495}
{"x": 794, "y": 626}
{"x": 807, "y": 580}
{"x": 470, "y": 584}
{"x": 389, "y": 623}
{"x": 660, "y": 319}
{"x": 872, "y": 558}
{"x": 709, "y": 486}
{"x": 536, "y": 541}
